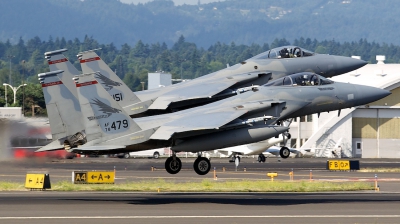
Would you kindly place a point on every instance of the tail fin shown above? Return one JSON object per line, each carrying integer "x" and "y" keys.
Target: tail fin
{"x": 57, "y": 61}
{"x": 102, "y": 116}
{"x": 62, "y": 106}
{"x": 91, "y": 62}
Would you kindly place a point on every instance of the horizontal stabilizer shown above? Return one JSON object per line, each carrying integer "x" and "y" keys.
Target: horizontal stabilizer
{"x": 100, "y": 149}
{"x": 54, "y": 145}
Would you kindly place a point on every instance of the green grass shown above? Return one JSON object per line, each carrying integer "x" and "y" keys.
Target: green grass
{"x": 204, "y": 186}
{"x": 380, "y": 170}
{"x": 11, "y": 186}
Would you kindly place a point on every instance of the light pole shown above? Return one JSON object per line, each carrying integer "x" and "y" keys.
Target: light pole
{"x": 142, "y": 85}
{"x": 23, "y": 83}
{"x": 9, "y": 76}
{"x": 5, "y": 96}
{"x": 15, "y": 89}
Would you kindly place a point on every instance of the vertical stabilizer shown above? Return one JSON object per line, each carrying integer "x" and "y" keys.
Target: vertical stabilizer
{"x": 91, "y": 62}
{"x": 102, "y": 116}
{"x": 63, "y": 108}
{"x": 58, "y": 61}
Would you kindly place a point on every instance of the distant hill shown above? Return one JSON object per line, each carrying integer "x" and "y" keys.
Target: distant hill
{"x": 242, "y": 22}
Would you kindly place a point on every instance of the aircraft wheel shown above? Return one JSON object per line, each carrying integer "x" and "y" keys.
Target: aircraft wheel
{"x": 202, "y": 166}
{"x": 156, "y": 155}
{"x": 261, "y": 158}
{"x": 284, "y": 152}
{"x": 126, "y": 156}
{"x": 173, "y": 166}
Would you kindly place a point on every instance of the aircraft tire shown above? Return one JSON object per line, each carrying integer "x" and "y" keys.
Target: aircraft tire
{"x": 173, "y": 166}
{"x": 284, "y": 152}
{"x": 261, "y": 158}
{"x": 202, "y": 165}
{"x": 127, "y": 156}
{"x": 156, "y": 155}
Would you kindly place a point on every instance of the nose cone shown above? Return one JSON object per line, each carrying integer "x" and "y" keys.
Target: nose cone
{"x": 346, "y": 64}
{"x": 368, "y": 94}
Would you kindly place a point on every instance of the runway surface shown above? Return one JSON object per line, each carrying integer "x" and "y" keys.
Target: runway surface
{"x": 87, "y": 207}
{"x": 130, "y": 207}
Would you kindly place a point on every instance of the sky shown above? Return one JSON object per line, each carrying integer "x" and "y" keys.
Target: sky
{"x": 177, "y": 2}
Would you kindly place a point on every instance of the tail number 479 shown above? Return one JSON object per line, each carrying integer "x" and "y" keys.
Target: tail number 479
{"x": 116, "y": 125}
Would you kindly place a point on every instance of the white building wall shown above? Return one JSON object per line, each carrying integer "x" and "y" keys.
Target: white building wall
{"x": 340, "y": 132}
{"x": 159, "y": 79}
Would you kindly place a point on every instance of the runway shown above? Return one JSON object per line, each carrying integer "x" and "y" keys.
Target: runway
{"x": 89, "y": 207}
{"x": 132, "y": 207}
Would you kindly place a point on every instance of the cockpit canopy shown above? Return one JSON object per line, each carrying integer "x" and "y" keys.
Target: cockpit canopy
{"x": 301, "y": 79}
{"x": 284, "y": 52}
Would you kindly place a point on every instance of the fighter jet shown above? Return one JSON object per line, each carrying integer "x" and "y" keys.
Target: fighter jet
{"x": 227, "y": 82}
{"x": 256, "y": 148}
{"x": 243, "y": 119}
{"x": 119, "y": 133}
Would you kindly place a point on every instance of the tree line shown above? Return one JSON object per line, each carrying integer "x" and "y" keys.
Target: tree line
{"x": 133, "y": 63}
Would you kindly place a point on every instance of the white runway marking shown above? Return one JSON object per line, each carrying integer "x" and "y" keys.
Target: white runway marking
{"x": 188, "y": 217}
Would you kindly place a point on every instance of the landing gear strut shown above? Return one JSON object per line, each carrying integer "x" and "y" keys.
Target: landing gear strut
{"x": 234, "y": 157}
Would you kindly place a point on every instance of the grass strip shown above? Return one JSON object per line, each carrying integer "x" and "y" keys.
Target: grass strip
{"x": 380, "y": 170}
{"x": 204, "y": 186}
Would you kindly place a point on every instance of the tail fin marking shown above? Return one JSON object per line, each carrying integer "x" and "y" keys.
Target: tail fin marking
{"x": 91, "y": 62}
{"x": 102, "y": 115}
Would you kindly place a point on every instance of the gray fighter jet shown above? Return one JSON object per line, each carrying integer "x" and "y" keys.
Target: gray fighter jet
{"x": 246, "y": 118}
{"x": 234, "y": 80}
{"x": 227, "y": 82}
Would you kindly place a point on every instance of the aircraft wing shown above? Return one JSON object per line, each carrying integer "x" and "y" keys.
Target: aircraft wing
{"x": 191, "y": 91}
{"x": 200, "y": 88}
{"x": 194, "y": 122}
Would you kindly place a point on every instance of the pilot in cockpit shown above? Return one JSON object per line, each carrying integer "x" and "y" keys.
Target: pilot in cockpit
{"x": 284, "y": 53}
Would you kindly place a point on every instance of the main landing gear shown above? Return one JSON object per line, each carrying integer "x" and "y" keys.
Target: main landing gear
{"x": 201, "y": 165}
{"x": 173, "y": 164}
{"x": 284, "y": 152}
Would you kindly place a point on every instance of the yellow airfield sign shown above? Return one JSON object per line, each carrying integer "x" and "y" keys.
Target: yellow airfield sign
{"x": 37, "y": 181}
{"x": 93, "y": 177}
{"x": 339, "y": 165}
